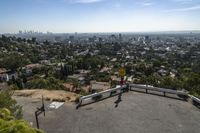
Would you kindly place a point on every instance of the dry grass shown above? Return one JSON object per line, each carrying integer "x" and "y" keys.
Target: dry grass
{"x": 54, "y": 95}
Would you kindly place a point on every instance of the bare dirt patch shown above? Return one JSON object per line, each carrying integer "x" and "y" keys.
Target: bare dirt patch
{"x": 51, "y": 95}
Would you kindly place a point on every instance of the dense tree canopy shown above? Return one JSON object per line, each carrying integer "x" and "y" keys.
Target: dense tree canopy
{"x": 13, "y": 61}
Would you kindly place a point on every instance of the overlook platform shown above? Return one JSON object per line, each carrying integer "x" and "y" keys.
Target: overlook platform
{"x": 136, "y": 113}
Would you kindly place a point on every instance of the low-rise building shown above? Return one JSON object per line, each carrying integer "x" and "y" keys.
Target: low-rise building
{"x": 7, "y": 75}
{"x": 99, "y": 86}
{"x": 46, "y": 62}
{"x": 79, "y": 77}
{"x": 29, "y": 68}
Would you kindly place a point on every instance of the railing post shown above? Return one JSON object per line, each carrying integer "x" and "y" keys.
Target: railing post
{"x": 128, "y": 87}
{"x": 79, "y": 104}
{"x": 36, "y": 117}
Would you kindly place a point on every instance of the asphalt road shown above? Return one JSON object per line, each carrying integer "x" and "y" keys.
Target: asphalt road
{"x": 136, "y": 113}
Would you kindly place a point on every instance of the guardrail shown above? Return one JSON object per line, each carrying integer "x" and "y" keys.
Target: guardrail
{"x": 84, "y": 100}
{"x": 195, "y": 100}
{"x": 182, "y": 94}
{"x": 101, "y": 95}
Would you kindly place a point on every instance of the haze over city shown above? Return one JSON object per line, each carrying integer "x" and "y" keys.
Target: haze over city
{"x": 64, "y": 16}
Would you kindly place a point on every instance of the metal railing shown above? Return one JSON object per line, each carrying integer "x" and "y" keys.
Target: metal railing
{"x": 195, "y": 100}
{"x": 101, "y": 95}
{"x": 84, "y": 100}
{"x": 164, "y": 91}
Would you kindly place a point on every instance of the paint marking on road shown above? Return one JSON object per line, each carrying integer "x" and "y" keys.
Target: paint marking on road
{"x": 55, "y": 105}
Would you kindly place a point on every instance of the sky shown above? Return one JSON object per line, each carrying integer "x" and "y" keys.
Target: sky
{"x": 68, "y": 16}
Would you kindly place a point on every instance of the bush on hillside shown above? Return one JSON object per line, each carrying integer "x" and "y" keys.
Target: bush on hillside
{"x": 6, "y": 101}
{"x": 8, "y": 124}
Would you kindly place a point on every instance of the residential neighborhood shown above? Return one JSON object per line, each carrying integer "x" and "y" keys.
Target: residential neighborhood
{"x": 92, "y": 61}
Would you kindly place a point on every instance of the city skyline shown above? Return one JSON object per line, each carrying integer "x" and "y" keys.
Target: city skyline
{"x": 68, "y": 16}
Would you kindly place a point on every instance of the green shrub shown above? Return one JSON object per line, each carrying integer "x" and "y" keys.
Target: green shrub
{"x": 40, "y": 83}
{"x": 6, "y": 101}
{"x": 8, "y": 124}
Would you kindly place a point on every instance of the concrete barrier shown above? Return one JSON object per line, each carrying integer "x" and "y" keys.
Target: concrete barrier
{"x": 101, "y": 95}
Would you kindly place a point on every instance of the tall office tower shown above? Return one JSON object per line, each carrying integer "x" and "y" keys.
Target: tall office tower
{"x": 120, "y": 37}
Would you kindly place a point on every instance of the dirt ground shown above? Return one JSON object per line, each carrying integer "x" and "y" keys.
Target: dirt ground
{"x": 50, "y": 95}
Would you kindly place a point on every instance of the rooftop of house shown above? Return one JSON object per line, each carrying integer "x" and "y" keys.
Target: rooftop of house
{"x": 75, "y": 76}
{"x": 82, "y": 71}
{"x": 99, "y": 85}
{"x": 3, "y": 70}
{"x": 31, "y": 66}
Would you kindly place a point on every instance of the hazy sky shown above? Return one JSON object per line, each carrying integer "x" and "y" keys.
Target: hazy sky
{"x": 99, "y": 15}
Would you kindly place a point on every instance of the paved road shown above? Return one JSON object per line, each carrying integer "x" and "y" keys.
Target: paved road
{"x": 136, "y": 113}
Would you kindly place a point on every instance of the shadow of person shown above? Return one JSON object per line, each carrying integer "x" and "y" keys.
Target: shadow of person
{"x": 118, "y": 100}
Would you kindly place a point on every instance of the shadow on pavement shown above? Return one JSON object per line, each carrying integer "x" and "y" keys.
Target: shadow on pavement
{"x": 118, "y": 100}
